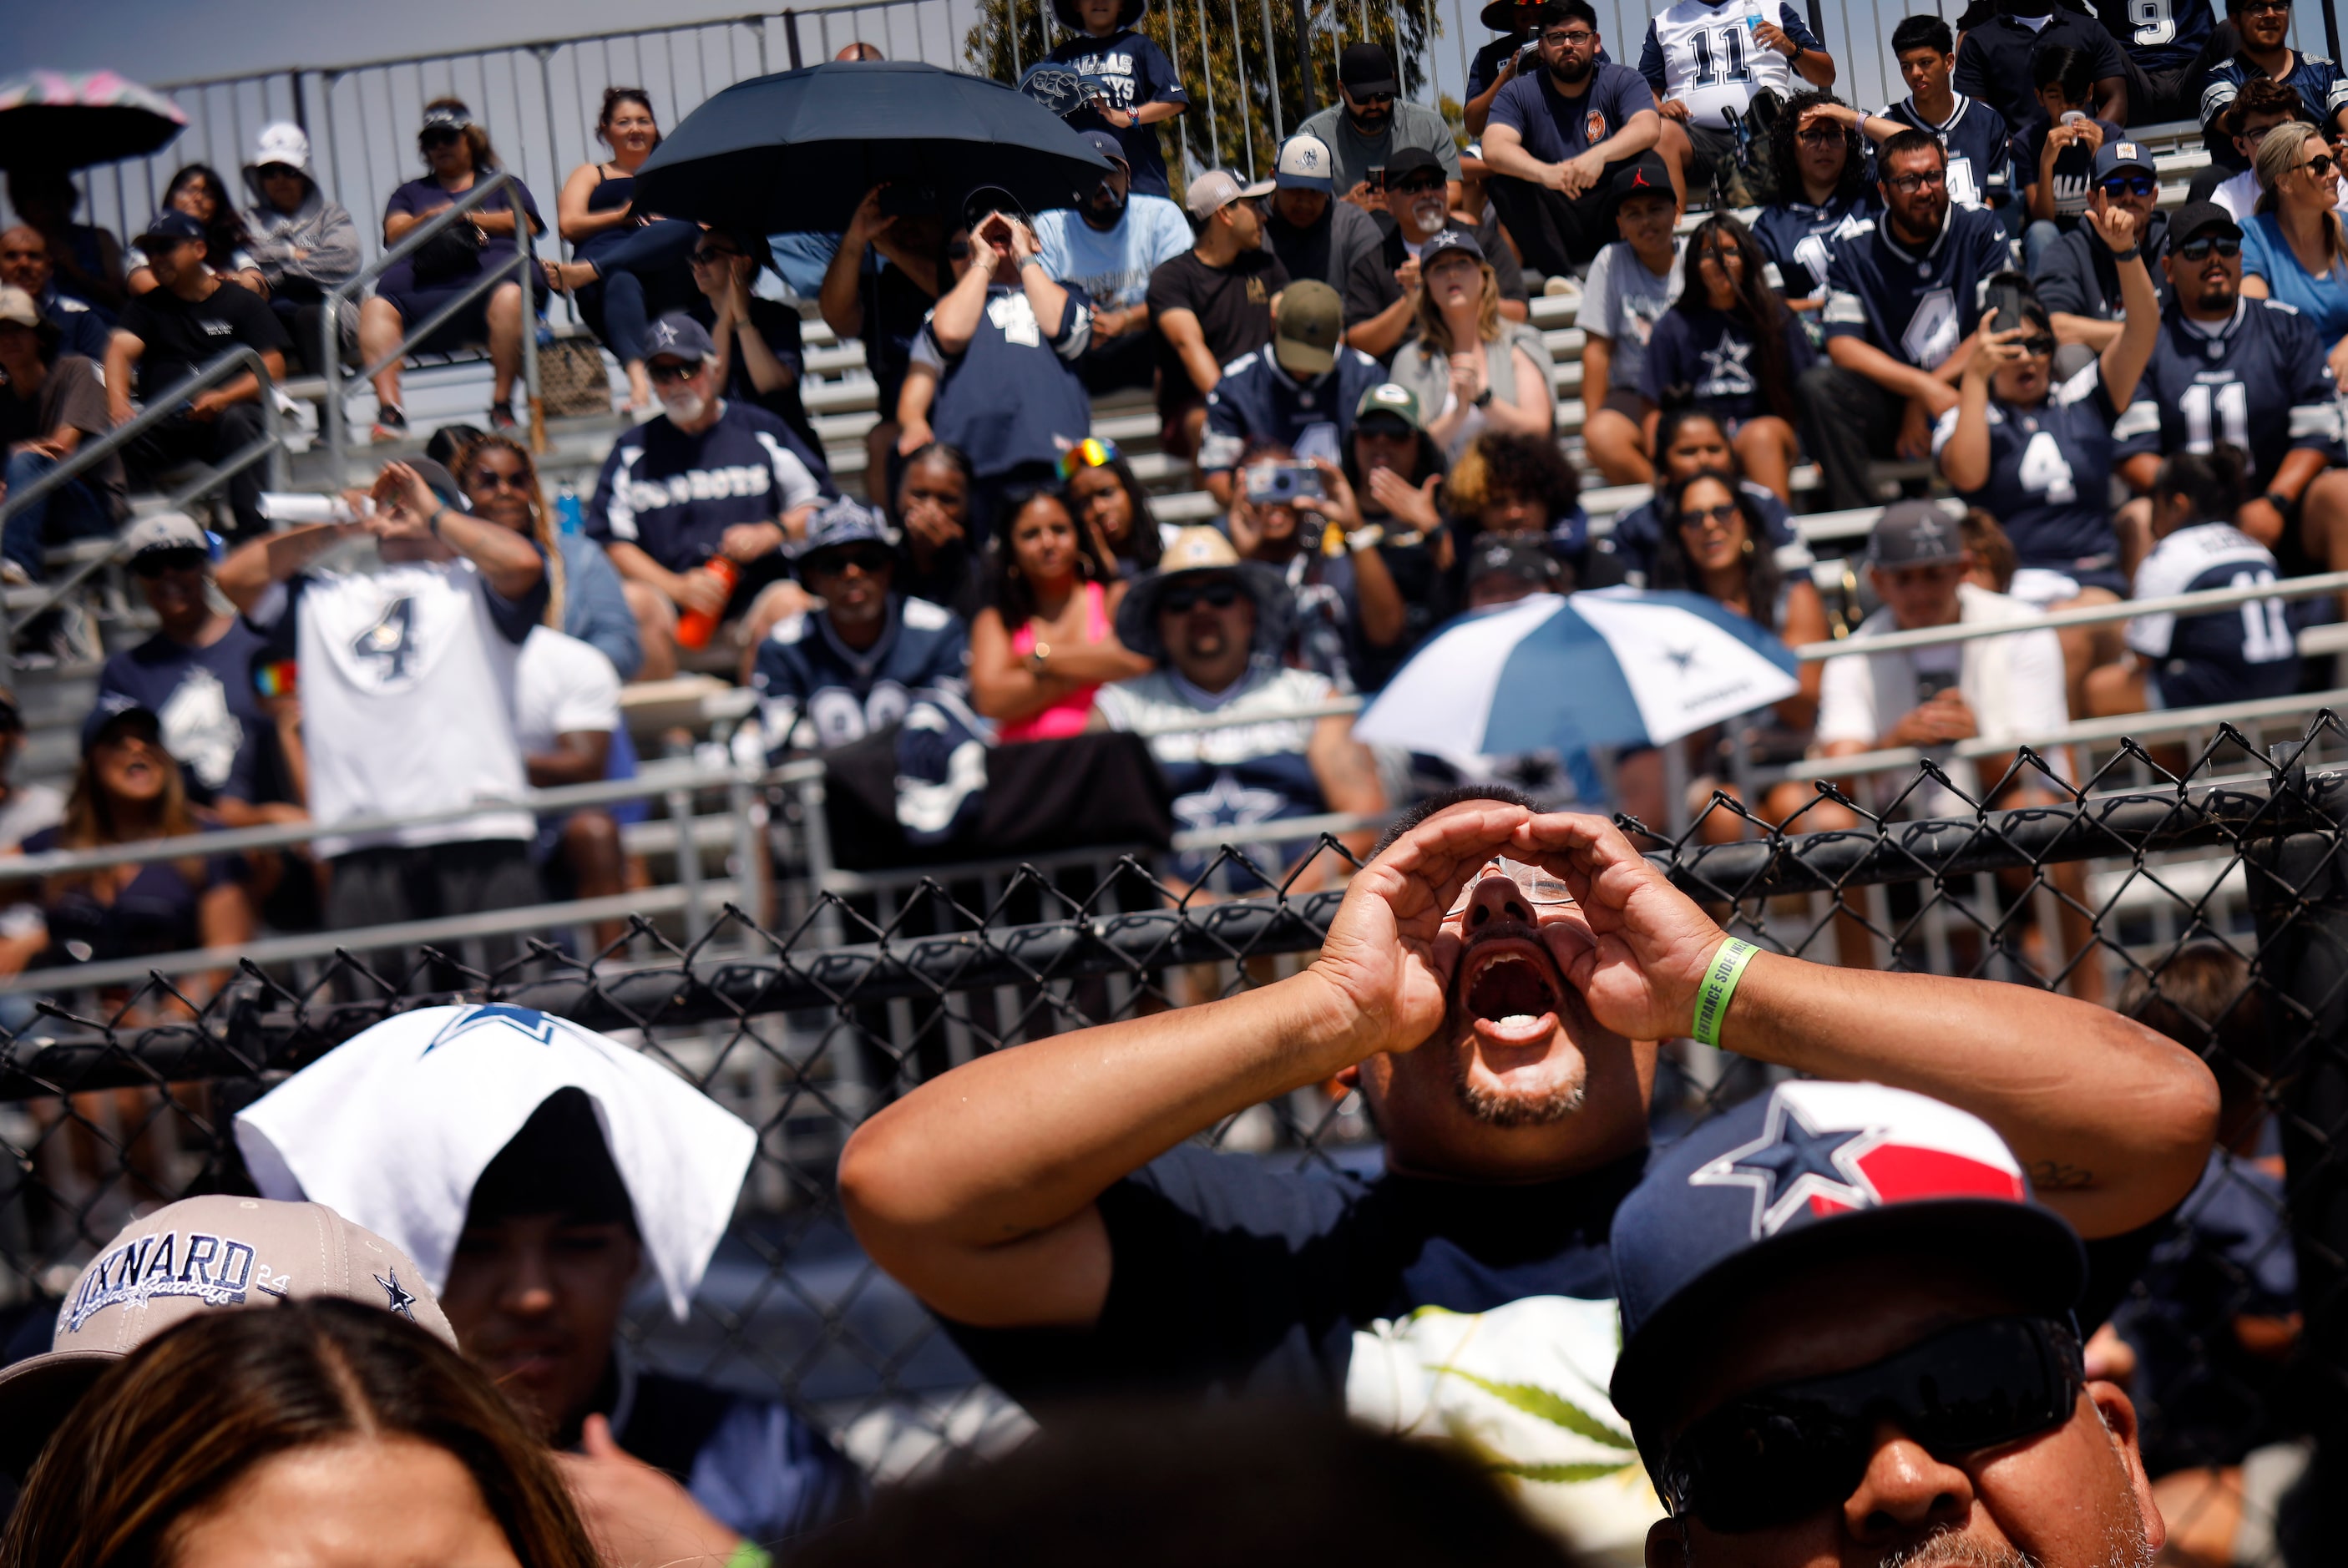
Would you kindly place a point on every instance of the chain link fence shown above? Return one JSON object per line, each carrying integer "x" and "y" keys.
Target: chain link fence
{"x": 2205, "y": 893}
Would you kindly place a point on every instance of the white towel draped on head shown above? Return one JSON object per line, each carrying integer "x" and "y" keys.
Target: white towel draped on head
{"x": 393, "y": 1129}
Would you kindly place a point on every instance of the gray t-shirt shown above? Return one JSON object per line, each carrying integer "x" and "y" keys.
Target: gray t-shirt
{"x": 1621, "y": 301}
{"x": 1413, "y": 125}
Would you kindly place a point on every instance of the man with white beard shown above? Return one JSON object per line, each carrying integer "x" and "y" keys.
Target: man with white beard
{"x": 696, "y": 505}
{"x": 1494, "y": 984}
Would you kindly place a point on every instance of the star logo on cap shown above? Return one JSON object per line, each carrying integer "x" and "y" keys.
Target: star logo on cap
{"x": 527, "y": 1021}
{"x": 664, "y": 335}
{"x": 1931, "y": 534}
{"x": 398, "y": 1297}
{"x": 1308, "y": 158}
{"x": 1792, "y": 1162}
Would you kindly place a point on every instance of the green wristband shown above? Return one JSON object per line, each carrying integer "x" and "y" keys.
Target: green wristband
{"x": 1720, "y": 978}
{"x": 750, "y": 1554}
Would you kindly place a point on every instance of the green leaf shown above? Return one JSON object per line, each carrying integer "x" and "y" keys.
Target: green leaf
{"x": 1539, "y": 1403}
{"x": 1562, "y": 1473}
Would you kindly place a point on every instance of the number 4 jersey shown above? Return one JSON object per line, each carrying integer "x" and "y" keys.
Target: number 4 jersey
{"x": 2257, "y": 380}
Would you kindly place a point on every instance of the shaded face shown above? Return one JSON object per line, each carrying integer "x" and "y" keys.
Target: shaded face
{"x": 129, "y": 764}
{"x": 1822, "y": 148}
{"x": 1106, "y": 205}
{"x": 1370, "y": 112}
{"x": 2135, "y": 191}
{"x": 935, "y": 491}
{"x": 1570, "y": 50}
{"x": 1505, "y": 512}
{"x": 2265, "y": 24}
{"x": 1916, "y": 189}
{"x": 714, "y": 262}
{"x": 1246, "y": 224}
{"x": 196, "y": 200}
{"x": 1101, "y": 503}
{"x": 1925, "y": 70}
{"x": 964, "y": 253}
{"x": 1298, "y": 208}
{"x": 2207, "y": 272}
{"x": 172, "y": 260}
{"x": 853, "y": 580}
{"x": 2071, "y": 1497}
{"x": 631, "y": 129}
{"x": 2026, "y": 380}
{"x": 1456, "y": 280}
{"x": 1711, "y": 526}
{"x": 499, "y": 484}
{"x": 1646, "y": 221}
{"x": 1043, "y": 541}
{"x": 446, "y": 153}
{"x": 284, "y": 186}
{"x": 1097, "y": 16}
{"x": 25, "y": 261}
{"x": 173, "y": 583}
{"x": 371, "y": 1501}
{"x": 1422, "y": 203}
{"x": 1206, "y": 622}
{"x": 684, "y": 386}
{"x": 1919, "y": 596}
{"x": 20, "y": 345}
{"x": 1700, "y": 447}
{"x": 1383, "y": 442}
{"x": 1721, "y": 264}
{"x": 535, "y": 1300}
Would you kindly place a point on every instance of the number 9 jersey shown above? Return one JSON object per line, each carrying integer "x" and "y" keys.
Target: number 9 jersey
{"x": 2257, "y": 380}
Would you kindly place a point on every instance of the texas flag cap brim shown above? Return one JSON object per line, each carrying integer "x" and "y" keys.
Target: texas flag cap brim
{"x": 1810, "y": 1173}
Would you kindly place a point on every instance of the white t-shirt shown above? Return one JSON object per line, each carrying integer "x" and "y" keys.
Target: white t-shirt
{"x": 2013, "y": 684}
{"x": 1114, "y": 268}
{"x": 407, "y": 698}
{"x": 563, "y": 686}
{"x": 1621, "y": 302}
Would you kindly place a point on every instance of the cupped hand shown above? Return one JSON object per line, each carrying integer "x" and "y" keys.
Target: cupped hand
{"x": 1387, "y": 961}
{"x": 1415, "y": 507}
{"x": 1639, "y": 952}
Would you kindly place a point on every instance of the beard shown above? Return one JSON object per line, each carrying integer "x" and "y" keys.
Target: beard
{"x": 1572, "y": 71}
{"x": 2219, "y": 296}
{"x": 2124, "y": 1547}
{"x": 1543, "y": 1105}
{"x": 686, "y": 408}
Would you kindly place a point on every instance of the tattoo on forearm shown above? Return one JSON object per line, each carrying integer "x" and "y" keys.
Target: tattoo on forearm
{"x": 2053, "y": 1176}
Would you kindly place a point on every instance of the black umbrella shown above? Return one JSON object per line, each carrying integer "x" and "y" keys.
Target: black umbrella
{"x": 798, "y": 151}
{"x": 59, "y": 119}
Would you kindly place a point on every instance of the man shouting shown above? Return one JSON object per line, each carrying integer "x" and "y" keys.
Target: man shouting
{"x": 1495, "y": 983}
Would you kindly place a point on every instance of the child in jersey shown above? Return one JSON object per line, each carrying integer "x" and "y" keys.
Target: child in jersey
{"x": 1144, "y": 88}
{"x": 2239, "y": 654}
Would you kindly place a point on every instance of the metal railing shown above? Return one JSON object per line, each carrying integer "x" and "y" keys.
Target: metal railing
{"x": 522, "y": 267}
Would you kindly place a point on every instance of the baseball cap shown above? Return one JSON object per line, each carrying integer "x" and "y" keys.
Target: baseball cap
{"x": 1450, "y": 239}
{"x": 283, "y": 142}
{"x": 16, "y": 305}
{"x": 1390, "y": 397}
{"x": 2118, "y": 155}
{"x": 1216, "y": 189}
{"x": 1410, "y": 160}
{"x": 1642, "y": 176}
{"x": 1304, "y": 164}
{"x": 163, "y": 532}
{"x": 2198, "y": 218}
{"x": 1304, "y": 334}
{"x": 843, "y": 522}
{"x": 190, "y": 1257}
{"x": 1367, "y": 68}
{"x": 117, "y": 710}
{"x": 677, "y": 336}
{"x": 1809, "y": 1172}
{"x": 1108, "y": 146}
{"x": 1914, "y": 534}
{"x": 447, "y": 116}
{"x": 1523, "y": 556}
{"x": 170, "y": 226}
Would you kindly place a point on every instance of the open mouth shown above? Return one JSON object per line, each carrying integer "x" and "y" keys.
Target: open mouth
{"x": 1509, "y": 994}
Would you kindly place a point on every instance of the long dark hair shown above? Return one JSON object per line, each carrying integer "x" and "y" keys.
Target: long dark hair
{"x": 1013, "y": 600}
{"x": 1782, "y": 151}
{"x": 1755, "y": 305}
{"x": 612, "y": 98}
{"x": 167, "y": 1430}
{"x": 1676, "y": 568}
{"x": 1143, "y": 546}
{"x": 225, "y": 234}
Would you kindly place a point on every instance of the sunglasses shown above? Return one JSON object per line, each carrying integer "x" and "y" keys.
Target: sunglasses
{"x": 870, "y": 559}
{"x": 2130, "y": 185}
{"x": 1220, "y": 594}
{"x": 1780, "y": 1454}
{"x": 2321, "y": 164}
{"x": 1725, "y": 514}
{"x": 671, "y": 370}
{"x": 162, "y": 563}
{"x": 2266, "y": 8}
{"x": 2198, "y": 250}
{"x": 1092, "y": 452}
{"x": 1369, "y": 99}
{"x": 1537, "y": 885}
{"x": 710, "y": 255}
{"x": 491, "y": 480}
{"x": 440, "y": 136}
{"x": 2039, "y": 345}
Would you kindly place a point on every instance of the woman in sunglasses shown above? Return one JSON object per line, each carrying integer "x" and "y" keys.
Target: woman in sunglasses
{"x": 1049, "y": 642}
{"x": 2039, "y": 458}
{"x": 1108, "y": 500}
{"x": 2294, "y": 247}
{"x": 586, "y": 598}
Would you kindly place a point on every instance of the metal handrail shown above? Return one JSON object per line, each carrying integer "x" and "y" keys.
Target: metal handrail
{"x": 524, "y": 266}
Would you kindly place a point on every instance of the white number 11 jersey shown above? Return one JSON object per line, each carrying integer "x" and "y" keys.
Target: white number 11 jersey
{"x": 1710, "y": 58}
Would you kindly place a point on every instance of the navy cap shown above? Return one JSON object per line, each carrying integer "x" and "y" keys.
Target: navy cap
{"x": 118, "y": 708}
{"x": 447, "y": 116}
{"x": 1450, "y": 239}
{"x": 842, "y": 522}
{"x": 2115, "y": 156}
{"x": 677, "y": 335}
{"x": 1110, "y": 147}
{"x": 171, "y": 226}
{"x": 1806, "y": 1173}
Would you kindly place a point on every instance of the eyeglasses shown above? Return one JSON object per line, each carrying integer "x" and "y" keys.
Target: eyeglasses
{"x": 162, "y": 563}
{"x": 1220, "y": 594}
{"x": 1827, "y": 135}
{"x": 491, "y": 480}
{"x": 1909, "y": 184}
{"x": 1092, "y": 452}
{"x": 1538, "y": 886}
{"x": 870, "y": 559}
{"x": 1568, "y": 40}
{"x": 671, "y": 370}
{"x": 2198, "y": 250}
{"x": 2266, "y": 8}
{"x": 710, "y": 255}
{"x": 2130, "y": 185}
{"x": 1781, "y": 1454}
{"x": 2321, "y": 164}
{"x": 1726, "y": 513}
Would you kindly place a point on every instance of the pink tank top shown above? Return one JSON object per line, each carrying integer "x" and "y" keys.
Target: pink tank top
{"x": 1069, "y": 714}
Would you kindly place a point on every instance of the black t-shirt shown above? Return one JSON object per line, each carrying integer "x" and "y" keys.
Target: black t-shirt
{"x": 779, "y": 325}
{"x": 181, "y": 338}
{"x": 1233, "y": 305}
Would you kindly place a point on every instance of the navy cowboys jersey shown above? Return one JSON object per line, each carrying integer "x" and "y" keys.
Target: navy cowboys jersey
{"x": 2161, "y": 35}
{"x": 814, "y": 692}
{"x": 1979, "y": 145}
{"x": 2321, "y": 87}
{"x": 1914, "y": 305}
{"x": 1800, "y": 239}
{"x": 1707, "y": 58}
{"x": 2236, "y": 654}
{"x": 2258, "y": 383}
{"x": 1256, "y": 400}
{"x": 2050, "y": 475}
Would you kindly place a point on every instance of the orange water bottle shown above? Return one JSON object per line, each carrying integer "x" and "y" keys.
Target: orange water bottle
{"x": 694, "y": 627}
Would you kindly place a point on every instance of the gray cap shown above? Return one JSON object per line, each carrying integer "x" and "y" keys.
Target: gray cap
{"x": 1523, "y": 556}
{"x": 1914, "y": 534}
{"x": 165, "y": 531}
{"x": 190, "y": 1257}
{"x": 1215, "y": 189}
{"x": 677, "y": 335}
{"x": 842, "y": 522}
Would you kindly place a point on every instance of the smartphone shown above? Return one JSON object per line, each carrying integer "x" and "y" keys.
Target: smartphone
{"x": 2005, "y": 302}
{"x": 273, "y": 677}
{"x": 1931, "y": 683}
{"x": 1281, "y": 484}
{"x": 1376, "y": 178}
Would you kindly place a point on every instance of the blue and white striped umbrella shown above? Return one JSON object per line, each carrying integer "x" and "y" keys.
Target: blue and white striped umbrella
{"x": 1566, "y": 672}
